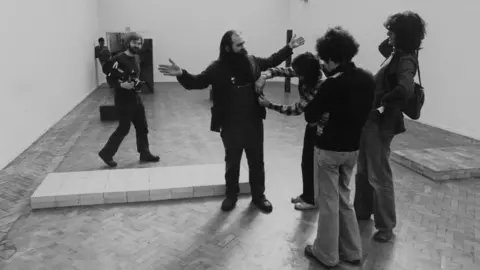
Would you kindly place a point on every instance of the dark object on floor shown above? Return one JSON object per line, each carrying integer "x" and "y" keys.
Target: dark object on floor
{"x": 108, "y": 113}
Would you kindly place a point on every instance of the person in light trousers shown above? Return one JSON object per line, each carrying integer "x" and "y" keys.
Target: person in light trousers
{"x": 348, "y": 99}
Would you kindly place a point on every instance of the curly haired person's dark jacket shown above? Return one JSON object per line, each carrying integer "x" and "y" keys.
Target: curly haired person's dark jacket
{"x": 395, "y": 84}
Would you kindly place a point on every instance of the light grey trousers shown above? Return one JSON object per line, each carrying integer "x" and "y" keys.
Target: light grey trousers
{"x": 338, "y": 234}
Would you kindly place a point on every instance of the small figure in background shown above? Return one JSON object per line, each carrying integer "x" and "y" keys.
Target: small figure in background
{"x": 102, "y": 53}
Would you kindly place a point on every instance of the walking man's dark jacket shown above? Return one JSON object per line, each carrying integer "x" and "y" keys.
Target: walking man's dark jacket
{"x": 219, "y": 76}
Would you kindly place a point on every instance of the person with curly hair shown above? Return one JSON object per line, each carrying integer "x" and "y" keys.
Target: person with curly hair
{"x": 348, "y": 99}
{"x": 374, "y": 192}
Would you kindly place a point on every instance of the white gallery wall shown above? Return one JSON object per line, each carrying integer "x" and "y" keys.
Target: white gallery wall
{"x": 449, "y": 62}
{"x": 189, "y": 31}
{"x": 47, "y": 66}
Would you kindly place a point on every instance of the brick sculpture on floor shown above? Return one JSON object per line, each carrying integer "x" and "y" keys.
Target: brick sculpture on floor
{"x": 132, "y": 185}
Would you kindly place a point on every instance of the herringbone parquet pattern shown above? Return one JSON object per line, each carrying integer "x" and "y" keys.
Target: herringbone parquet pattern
{"x": 439, "y": 224}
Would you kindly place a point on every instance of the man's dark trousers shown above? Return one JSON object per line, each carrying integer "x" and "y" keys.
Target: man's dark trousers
{"x": 308, "y": 194}
{"x": 236, "y": 138}
{"x": 129, "y": 113}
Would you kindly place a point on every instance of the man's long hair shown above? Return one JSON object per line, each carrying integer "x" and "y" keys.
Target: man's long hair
{"x": 226, "y": 42}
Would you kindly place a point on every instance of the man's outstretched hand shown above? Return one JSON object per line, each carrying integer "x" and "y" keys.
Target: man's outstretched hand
{"x": 170, "y": 70}
{"x": 296, "y": 42}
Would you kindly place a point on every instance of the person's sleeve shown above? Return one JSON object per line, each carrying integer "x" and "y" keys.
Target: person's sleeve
{"x": 197, "y": 82}
{"x": 274, "y": 59}
{"x": 405, "y": 86}
{"x": 296, "y": 108}
{"x": 286, "y": 72}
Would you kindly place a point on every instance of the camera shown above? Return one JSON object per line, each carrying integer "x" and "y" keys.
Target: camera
{"x": 118, "y": 71}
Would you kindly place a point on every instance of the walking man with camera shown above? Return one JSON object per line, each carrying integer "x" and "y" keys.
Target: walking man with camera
{"x": 129, "y": 105}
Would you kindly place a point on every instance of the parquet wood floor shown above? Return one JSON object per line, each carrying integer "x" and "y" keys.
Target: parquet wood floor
{"x": 439, "y": 223}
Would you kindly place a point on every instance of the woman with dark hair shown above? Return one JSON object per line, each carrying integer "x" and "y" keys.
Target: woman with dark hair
{"x": 395, "y": 85}
{"x": 308, "y": 70}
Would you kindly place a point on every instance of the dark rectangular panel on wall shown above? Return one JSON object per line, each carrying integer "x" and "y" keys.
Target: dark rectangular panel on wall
{"x": 288, "y": 62}
{"x": 146, "y": 65}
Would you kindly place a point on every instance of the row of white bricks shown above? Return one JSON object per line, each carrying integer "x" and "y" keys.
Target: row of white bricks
{"x": 133, "y": 185}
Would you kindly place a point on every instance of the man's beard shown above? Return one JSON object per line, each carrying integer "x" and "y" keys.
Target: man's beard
{"x": 239, "y": 65}
{"x": 242, "y": 52}
{"x": 133, "y": 50}
{"x": 236, "y": 57}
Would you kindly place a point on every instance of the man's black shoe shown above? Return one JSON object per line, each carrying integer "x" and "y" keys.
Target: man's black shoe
{"x": 108, "y": 160}
{"x": 229, "y": 203}
{"x": 263, "y": 204}
{"x": 148, "y": 157}
{"x": 383, "y": 236}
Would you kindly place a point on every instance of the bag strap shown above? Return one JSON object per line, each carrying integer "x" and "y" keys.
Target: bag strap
{"x": 386, "y": 60}
{"x": 418, "y": 67}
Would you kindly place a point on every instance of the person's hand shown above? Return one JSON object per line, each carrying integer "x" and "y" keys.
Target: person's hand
{"x": 170, "y": 70}
{"x": 260, "y": 84}
{"x": 127, "y": 85}
{"x": 263, "y": 101}
{"x": 319, "y": 130}
{"x": 296, "y": 42}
